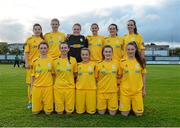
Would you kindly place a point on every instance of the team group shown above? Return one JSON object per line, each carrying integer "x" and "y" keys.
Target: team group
{"x": 87, "y": 74}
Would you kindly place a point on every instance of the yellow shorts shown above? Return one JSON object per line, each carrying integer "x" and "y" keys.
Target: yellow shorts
{"x": 28, "y": 76}
{"x": 64, "y": 99}
{"x": 42, "y": 99}
{"x": 107, "y": 100}
{"x": 136, "y": 101}
{"x": 86, "y": 101}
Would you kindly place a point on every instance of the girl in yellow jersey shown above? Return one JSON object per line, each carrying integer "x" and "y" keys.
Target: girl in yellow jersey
{"x": 31, "y": 52}
{"x": 65, "y": 69}
{"x": 95, "y": 43}
{"x": 86, "y": 84}
{"x": 132, "y": 86}
{"x": 133, "y": 35}
{"x": 54, "y": 38}
{"x": 42, "y": 82}
{"x": 106, "y": 73}
{"x": 115, "y": 41}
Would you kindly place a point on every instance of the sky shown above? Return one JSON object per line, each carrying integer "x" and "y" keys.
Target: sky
{"x": 157, "y": 20}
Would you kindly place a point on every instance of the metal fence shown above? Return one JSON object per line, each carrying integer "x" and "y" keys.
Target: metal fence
{"x": 149, "y": 59}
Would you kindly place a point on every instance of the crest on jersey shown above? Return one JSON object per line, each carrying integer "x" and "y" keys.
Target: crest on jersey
{"x": 90, "y": 68}
{"x": 137, "y": 65}
{"x": 49, "y": 64}
{"x": 113, "y": 66}
{"x": 133, "y": 39}
{"x": 81, "y": 39}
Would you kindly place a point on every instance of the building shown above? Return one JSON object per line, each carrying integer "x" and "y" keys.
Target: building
{"x": 156, "y": 50}
{"x": 13, "y": 46}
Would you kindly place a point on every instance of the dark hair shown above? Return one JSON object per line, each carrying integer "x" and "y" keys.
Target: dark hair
{"x": 55, "y": 19}
{"x": 106, "y": 46}
{"x": 134, "y": 22}
{"x": 95, "y": 24}
{"x": 41, "y": 35}
{"x": 86, "y": 49}
{"x": 115, "y": 27}
{"x": 77, "y": 24}
{"x": 68, "y": 54}
{"x": 43, "y": 43}
{"x": 137, "y": 54}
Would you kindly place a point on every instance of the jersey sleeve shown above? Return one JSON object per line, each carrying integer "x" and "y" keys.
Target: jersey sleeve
{"x": 53, "y": 67}
{"x": 103, "y": 40}
{"x": 144, "y": 71}
{"x": 85, "y": 42}
{"x": 120, "y": 70}
{"x": 27, "y": 46}
{"x": 141, "y": 42}
{"x": 33, "y": 69}
{"x": 75, "y": 67}
{"x": 64, "y": 37}
{"x": 96, "y": 73}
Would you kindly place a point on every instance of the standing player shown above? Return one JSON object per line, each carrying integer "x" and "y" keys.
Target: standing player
{"x": 54, "y": 38}
{"x": 86, "y": 85}
{"x": 95, "y": 43}
{"x": 132, "y": 86}
{"x": 115, "y": 41}
{"x": 106, "y": 74}
{"x": 133, "y": 35}
{"x": 65, "y": 69}
{"x": 76, "y": 41}
{"x": 42, "y": 82}
{"x": 31, "y": 52}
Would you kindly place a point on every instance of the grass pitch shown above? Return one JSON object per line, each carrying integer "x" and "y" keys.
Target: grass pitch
{"x": 162, "y": 103}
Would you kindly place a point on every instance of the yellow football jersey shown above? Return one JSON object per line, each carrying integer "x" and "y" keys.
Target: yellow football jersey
{"x": 132, "y": 37}
{"x": 131, "y": 81}
{"x": 31, "y": 47}
{"x": 42, "y": 71}
{"x": 64, "y": 77}
{"x": 86, "y": 78}
{"x": 116, "y": 43}
{"x": 106, "y": 74}
{"x": 95, "y": 45}
{"x": 54, "y": 39}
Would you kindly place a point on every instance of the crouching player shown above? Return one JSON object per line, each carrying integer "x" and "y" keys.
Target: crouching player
{"x": 42, "y": 81}
{"x": 132, "y": 86}
{"x": 65, "y": 69}
{"x": 86, "y": 85}
{"x": 106, "y": 74}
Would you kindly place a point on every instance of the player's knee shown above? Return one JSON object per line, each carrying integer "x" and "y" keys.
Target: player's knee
{"x": 68, "y": 113}
{"x": 112, "y": 112}
{"x": 59, "y": 113}
{"x": 101, "y": 112}
{"x": 125, "y": 113}
{"x": 138, "y": 114}
{"x": 48, "y": 113}
{"x": 35, "y": 113}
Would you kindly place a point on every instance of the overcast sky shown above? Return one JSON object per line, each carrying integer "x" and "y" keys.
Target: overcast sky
{"x": 157, "y": 20}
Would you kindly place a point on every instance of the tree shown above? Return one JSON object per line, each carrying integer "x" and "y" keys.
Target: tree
{"x": 3, "y": 48}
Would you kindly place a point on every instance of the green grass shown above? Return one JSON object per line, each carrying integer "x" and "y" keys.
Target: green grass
{"x": 162, "y": 103}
